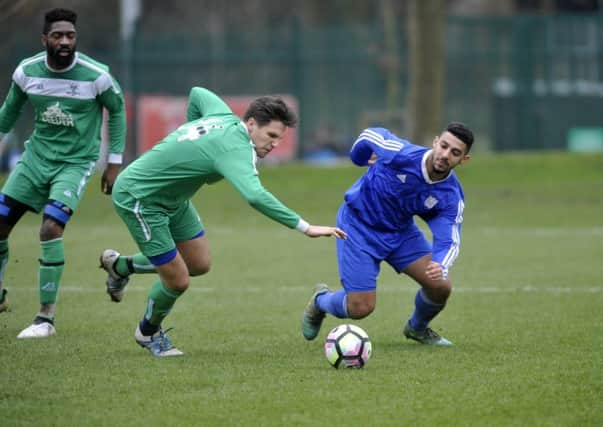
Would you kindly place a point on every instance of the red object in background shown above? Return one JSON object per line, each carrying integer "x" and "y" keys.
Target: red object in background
{"x": 159, "y": 115}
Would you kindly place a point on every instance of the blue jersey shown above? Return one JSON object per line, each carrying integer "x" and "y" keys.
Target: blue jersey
{"x": 397, "y": 187}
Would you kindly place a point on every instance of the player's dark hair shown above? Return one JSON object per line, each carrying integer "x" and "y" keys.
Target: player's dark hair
{"x": 56, "y": 15}
{"x": 462, "y": 132}
{"x": 268, "y": 108}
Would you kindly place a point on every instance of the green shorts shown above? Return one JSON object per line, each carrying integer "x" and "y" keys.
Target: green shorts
{"x": 34, "y": 181}
{"x": 156, "y": 228}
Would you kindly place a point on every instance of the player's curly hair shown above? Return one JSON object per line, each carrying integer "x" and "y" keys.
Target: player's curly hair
{"x": 462, "y": 132}
{"x": 268, "y": 108}
{"x": 56, "y": 15}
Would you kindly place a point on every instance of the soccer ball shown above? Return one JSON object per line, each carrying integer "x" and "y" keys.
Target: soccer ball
{"x": 348, "y": 346}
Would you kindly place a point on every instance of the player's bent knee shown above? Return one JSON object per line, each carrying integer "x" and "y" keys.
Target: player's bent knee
{"x": 439, "y": 291}
{"x": 199, "y": 270}
{"x": 177, "y": 285}
{"x": 176, "y": 280}
{"x": 184, "y": 286}
{"x": 358, "y": 309}
{"x": 58, "y": 212}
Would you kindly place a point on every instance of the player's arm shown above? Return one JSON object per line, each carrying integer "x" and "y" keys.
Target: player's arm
{"x": 446, "y": 230}
{"x": 111, "y": 97}
{"x": 238, "y": 168}
{"x": 11, "y": 108}
{"x": 373, "y": 144}
{"x": 203, "y": 103}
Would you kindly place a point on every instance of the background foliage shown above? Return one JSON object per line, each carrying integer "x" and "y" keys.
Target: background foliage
{"x": 522, "y": 77}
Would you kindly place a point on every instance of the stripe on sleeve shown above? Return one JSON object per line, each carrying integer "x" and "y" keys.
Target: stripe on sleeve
{"x": 453, "y": 252}
{"x": 377, "y": 139}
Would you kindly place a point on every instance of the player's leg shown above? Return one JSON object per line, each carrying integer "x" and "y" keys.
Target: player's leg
{"x": 29, "y": 185}
{"x": 195, "y": 253}
{"x": 173, "y": 281}
{"x": 187, "y": 230}
{"x": 358, "y": 273}
{"x": 52, "y": 261}
{"x": 21, "y": 192}
{"x": 119, "y": 268}
{"x": 430, "y": 300}
{"x": 190, "y": 258}
{"x": 149, "y": 226}
{"x": 67, "y": 183}
{"x": 11, "y": 212}
{"x": 189, "y": 234}
{"x": 412, "y": 258}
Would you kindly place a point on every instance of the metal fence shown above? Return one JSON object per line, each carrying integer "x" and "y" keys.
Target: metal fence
{"x": 522, "y": 82}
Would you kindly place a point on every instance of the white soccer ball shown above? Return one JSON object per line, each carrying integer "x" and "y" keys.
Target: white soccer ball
{"x": 348, "y": 346}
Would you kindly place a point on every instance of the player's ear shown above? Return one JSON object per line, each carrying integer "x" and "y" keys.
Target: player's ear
{"x": 435, "y": 140}
{"x": 465, "y": 158}
{"x": 43, "y": 39}
{"x": 251, "y": 124}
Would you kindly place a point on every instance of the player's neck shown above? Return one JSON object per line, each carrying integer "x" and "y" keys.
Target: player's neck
{"x": 54, "y": 66}
{"x": 437, "y": 176}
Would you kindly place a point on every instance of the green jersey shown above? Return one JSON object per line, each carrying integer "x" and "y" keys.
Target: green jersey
{"x": 212, "y": 145}
{"x": 68, "y": 107}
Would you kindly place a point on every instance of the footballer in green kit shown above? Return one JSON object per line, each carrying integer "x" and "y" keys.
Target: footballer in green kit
{"x": 68, "y": 91}
{"x": 152, "y": 196}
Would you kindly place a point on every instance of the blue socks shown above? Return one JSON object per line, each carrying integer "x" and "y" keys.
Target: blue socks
{"x": 334, "y": 303}
{"x": 425, "y": 310}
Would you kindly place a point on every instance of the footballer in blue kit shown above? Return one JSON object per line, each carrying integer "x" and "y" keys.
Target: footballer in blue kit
{"x": 402, "y": 180}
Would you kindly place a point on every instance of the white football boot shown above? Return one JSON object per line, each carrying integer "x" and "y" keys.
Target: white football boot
{"x": 158, "y": 344}
{"x": 38, "y": 329}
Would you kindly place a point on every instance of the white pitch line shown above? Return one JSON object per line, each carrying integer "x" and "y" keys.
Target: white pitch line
{"x": 299, "y": 289}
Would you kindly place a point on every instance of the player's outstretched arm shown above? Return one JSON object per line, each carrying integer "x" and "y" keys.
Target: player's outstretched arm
{"x": 325, "y": 231}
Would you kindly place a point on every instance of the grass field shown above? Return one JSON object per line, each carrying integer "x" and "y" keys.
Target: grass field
{"x": 526, "y": 316}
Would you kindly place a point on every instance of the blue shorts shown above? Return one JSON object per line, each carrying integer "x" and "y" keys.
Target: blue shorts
{"x": 360, "y": 256}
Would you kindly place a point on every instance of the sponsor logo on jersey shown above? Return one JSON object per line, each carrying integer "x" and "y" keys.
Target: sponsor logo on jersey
{"x": 430, "y": 202}
{"x": 402, "y": 178}
{"x": 55, "y": 116}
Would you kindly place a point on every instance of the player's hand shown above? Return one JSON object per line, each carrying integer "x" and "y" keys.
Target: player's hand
{"x": 323, "y": 231}
{"x": 434, "y": 271}
{"x": 373, "y": 159}
{"x": 109, "y": 176}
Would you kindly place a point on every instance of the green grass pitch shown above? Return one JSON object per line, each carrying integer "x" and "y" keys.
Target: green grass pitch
{"x": 525, "y": 316}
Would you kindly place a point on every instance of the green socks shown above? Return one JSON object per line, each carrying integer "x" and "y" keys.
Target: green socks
{"x": 137, "y": 263}
{"x": 51, "y": 268}
{"x": 160, "y": 302}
